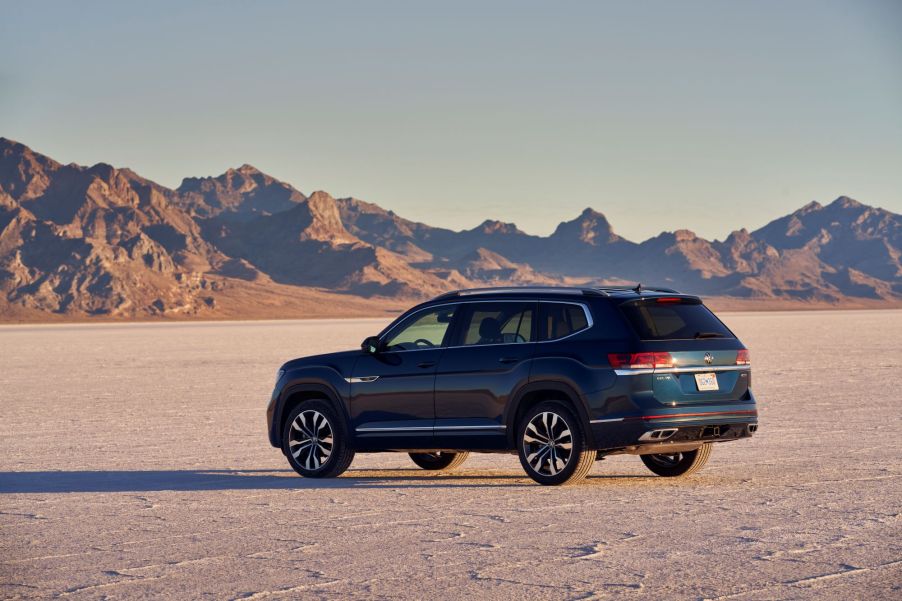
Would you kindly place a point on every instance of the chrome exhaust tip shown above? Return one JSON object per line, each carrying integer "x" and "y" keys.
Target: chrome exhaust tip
{"x": 658, "y": 435}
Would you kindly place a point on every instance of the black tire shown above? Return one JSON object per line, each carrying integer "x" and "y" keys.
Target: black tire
{"x": 553, "y": 464}
{"x": 674, "y": 465}
{"x": 319, "y": 455}
{"x": 439, "y": 460}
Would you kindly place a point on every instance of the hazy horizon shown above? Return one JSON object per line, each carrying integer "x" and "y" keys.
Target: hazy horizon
{"x": 701, "y": 116}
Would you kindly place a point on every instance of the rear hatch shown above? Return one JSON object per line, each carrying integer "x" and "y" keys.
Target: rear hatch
{"x": 696, "y": 358}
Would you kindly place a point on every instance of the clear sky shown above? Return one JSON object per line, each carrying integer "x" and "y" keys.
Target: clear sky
{"x": 662, "y": 115}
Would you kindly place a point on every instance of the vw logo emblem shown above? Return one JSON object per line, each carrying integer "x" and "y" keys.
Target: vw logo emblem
{"x": 709, "y": 358}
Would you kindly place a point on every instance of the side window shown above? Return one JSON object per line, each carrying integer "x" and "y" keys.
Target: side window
{"x": 561, "y": 319}
{"x": 500, "y": 323}
{"x": 424, "y": 330}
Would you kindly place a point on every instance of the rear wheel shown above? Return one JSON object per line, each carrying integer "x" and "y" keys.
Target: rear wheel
{"x": 672, "y": 465}
{"x": 439, "y": 460}
{"x": 315, "y": 441}
{"x": 552, "y": 447}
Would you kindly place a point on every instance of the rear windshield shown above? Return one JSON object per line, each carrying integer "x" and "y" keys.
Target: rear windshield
{"x": 654, "y": 321}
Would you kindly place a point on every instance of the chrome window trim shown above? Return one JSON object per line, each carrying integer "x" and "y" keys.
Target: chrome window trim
{"x": 584, "y": 307}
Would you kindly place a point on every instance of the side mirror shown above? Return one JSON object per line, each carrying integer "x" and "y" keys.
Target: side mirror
{"x": 370, "y": 345}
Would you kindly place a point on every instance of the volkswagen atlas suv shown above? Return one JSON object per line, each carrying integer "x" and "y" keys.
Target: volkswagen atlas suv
{"x": 560, "y": 376}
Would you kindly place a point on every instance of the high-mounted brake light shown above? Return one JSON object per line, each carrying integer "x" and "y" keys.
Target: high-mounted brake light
{"x": 669, "y": 300}
{"x": 640, "y": 360}
{"x": 743, "y": 358}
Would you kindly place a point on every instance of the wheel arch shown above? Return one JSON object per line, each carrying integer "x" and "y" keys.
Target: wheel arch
{"x": 297, "y": 393}
{"x": 536, "y": 392}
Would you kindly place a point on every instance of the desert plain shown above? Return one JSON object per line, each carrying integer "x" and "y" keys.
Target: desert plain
{"x": 134, "y": 463}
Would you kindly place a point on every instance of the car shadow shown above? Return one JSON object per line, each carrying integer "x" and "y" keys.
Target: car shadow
{"x": 253, "y": 479}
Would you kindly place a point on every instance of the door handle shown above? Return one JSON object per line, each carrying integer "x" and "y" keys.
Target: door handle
{"x": 508, "y": 359}
{"x": 426, "y": 364}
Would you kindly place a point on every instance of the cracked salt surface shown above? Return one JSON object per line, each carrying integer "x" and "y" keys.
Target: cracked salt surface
{"x": 134, "y": 463}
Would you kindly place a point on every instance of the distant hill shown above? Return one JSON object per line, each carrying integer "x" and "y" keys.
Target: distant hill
{"x": 100, "y": 241}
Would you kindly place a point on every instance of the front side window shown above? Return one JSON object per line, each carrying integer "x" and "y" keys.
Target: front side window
{"x": 499, "y": 323}
{"x": 425, "y": 329}
{"x": 561, "y": 319}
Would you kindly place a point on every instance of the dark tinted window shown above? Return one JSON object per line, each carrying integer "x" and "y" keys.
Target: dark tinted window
{"x": 656, "y": 321}
{"x": 425, "y": 329}
{"x": 561, "y": 319}
{"x": 499, "y": 323}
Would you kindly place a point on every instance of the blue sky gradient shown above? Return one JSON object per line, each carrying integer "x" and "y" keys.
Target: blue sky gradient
{"x": 701, "y": 115}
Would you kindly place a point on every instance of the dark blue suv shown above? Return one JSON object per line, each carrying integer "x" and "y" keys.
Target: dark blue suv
{"x": 561, "y": 376}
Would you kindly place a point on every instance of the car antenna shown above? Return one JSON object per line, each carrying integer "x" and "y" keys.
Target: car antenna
{"x": 638, "y": 288}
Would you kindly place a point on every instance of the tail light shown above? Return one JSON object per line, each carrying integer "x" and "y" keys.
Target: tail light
{"x": 640, "y": 360}
{"x": 743, "y": 358}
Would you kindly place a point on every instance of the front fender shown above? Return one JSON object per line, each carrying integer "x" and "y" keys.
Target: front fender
{"x": 321, "y": 382}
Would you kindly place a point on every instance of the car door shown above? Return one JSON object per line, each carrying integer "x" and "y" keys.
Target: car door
{"x": 392, "y": 390}
{"x": 486, "y": 362}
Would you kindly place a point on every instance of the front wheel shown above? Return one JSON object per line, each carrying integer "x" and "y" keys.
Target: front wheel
{"x": 552, "y": 447}
{"x": 439, "y": 460}
{"x": 315, "y": 442}
{"x": 673, "y": 465}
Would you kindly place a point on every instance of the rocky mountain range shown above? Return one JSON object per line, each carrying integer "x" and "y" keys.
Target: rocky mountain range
{"x": 81, "y": 241}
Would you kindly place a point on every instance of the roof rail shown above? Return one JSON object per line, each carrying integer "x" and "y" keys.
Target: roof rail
{"x": 593, "y": 291}
{"x": 638, "y": 289}
{"x": 521, "y": 289}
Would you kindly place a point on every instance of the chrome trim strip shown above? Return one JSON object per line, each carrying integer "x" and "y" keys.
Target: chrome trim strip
{"x": 681, "y": 370}
{"x": 707, "y": 368}
{"x": 361, "y": 379}
{"x": 604, "y": 421}
{"x": 422, "y": 428}
{"x": 400, "y": 429}
{"x": 633, "y": 372}
{"x": 470, "y": 427}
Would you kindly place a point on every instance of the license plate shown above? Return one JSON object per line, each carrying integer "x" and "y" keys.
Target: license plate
{"x": 706, "y": 381}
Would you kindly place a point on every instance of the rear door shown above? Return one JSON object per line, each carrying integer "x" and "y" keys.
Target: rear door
{"x": 486, "y": 361}
{"x": 707, "y": 362}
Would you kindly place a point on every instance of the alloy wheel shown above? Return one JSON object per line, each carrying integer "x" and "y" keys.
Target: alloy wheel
{"x": 547, "y": 443}
{"x": 310, "y": 439}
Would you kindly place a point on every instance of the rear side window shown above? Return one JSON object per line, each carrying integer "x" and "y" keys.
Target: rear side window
{"x": 671, "y": 321}
{"x": 499, "y": 323}
{"x": 561, "y": 319}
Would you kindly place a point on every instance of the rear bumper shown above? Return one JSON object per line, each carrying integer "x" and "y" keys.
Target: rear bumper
{"x": 689, "y": 426}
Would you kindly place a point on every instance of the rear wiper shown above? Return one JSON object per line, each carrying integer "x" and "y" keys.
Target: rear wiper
{"x": 708, "y": 335}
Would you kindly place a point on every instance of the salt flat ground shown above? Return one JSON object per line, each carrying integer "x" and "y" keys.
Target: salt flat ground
{"x": 134, "y": 463}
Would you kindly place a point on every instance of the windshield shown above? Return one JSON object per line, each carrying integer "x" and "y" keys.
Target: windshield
{"x": 653, "y": 321}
